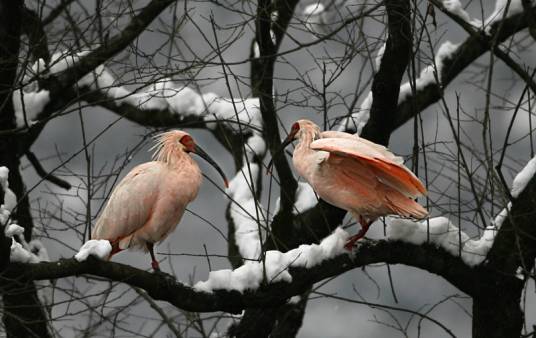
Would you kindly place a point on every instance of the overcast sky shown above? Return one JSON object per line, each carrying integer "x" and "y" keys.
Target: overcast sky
{"x": 415, "y": 289}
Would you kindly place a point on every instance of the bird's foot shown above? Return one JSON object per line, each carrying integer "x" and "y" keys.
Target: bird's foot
{"x": 364, "y": 228}
{"x": 351, "y": 242}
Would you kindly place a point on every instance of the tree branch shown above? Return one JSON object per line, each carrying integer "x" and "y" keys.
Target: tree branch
{"x": 43, "y": 174}
{"x": 467, "y": 53}
{"x": 165, "y": 287}
{"x": 262, "y": 83}
{"x": 496, "y": 49}
{"x": 61, "y": 85}
{"x": 386, "y": 83}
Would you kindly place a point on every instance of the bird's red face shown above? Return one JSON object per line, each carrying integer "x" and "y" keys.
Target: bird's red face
{"x": 293, "y": 131}
{"x": 188, "y": 142}
{"x": 190, "y": 147}
{"x": 288, "y": 140}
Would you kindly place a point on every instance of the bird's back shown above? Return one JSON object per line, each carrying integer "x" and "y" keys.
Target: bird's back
{"x": 361, "y": 178}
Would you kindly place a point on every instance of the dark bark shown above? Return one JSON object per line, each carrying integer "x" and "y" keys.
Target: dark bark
{"x": 386, "y": 84}
{"x": 385, "y": 88}
{"x": 264, "y": 322}
{"x": 23, "y": 315}
{"x": 496, "y": 304}
{"x": 37, "y": 39}
{"x": 262, "y": 84}
{"x": 164, "y": 287}
{"x": 61, "y": 85}
{"x": 498, "y": 315}
{"x": 494, "y": 287}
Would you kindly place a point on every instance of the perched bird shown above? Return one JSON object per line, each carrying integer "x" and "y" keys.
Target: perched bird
{"x": 355, "y": 174}
{"x": 146, "y": 206}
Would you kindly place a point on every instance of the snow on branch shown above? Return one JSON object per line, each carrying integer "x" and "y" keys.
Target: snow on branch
{"x": 523, "y": 177}
{"x": 441, "y": 232}
{"x": 245, "y": 210}
{"x": 305, "y": 199}
{"x": 427, "y": 76}
{"x": 10, "y": 200}
{"x": 308, "y": 265}
{"x": 163, "y": 94}
{"x": 22, "y": 251}
{"x": 514, "y": 7}
{"x": 275, "y": 266}
{"x": 99, "y": 248}
{"x": 316, "y": 18}
{"x": 456, "y": 8}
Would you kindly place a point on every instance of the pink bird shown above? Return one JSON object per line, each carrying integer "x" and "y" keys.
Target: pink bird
{"x": 146, "y": 206}
{"x": 355, "y": 174}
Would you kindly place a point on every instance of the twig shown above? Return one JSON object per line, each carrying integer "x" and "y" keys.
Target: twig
{"x": 43, "y": 174}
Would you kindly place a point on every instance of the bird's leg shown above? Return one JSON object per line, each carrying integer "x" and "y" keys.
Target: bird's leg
{"x": 115, "y": 247}
{"x": 364, "y": 228}
{"x": 154, "y": 262}
{"x": 168, "y": 280}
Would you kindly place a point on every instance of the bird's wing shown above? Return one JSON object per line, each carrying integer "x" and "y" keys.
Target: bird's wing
{"x": 387, "y": 171}
{"x": 373, "y": 146}
{"x": 130, "y": 203}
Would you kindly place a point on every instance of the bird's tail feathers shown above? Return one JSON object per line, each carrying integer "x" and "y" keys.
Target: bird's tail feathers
{"x": 407, "y": 207}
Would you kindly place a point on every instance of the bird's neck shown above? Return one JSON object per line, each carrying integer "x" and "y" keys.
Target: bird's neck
{"x": 303, "y": 152}
{"x": 307, "y": 136}
{"x": 175, "y": 158}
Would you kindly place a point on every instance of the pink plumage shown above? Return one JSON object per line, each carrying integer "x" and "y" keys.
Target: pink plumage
{"x": 148, "y": 203}
{"x": 355, "y": 174}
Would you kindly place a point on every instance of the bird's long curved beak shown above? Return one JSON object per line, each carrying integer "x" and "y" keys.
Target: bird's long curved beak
{"x": 286, "y": 142}
{"x": 199, "y": 151}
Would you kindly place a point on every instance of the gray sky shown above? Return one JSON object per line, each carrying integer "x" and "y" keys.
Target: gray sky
{"x": 415, "y": 289}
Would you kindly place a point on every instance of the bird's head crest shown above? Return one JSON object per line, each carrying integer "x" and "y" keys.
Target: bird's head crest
{"x": 170, "y": 144}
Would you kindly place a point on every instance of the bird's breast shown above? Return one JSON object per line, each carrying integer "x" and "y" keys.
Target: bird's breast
{"x": 308, "y": 162}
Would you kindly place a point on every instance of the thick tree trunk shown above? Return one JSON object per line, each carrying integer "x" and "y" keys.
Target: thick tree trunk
{"x": 497, "y": 315}
{"x": 23, "y": 315}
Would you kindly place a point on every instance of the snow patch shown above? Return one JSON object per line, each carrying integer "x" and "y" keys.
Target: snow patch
{"x": 19, "y": 254}
{"x": 21, "y": 251}
{"x": 29, "y": 105}
{"x": 294, "y": 299}
{"x": 10, "y": 200}
{"x": 13, "y": 230}
{"x": 428, "y": 75}
{"x": 441, "y": 232}
{"x": 446, "y": 235}
{"x": 523, "y": 178}
{"x": 456, "y": 8}
{"x": 515, "y": 7}
{"x": 237, "y": 114}
{"x": 358, "y": 120}
{"x": 305, "y": 198}
{"x": 315, "y": 18}
{"x": 379, "y": 56}
{"x": 250, "y": 275}
{"x": 244, "y": 210}
{"x": 99, "y": 248}
{"x": 160, "y": 95}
